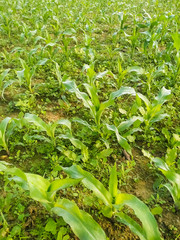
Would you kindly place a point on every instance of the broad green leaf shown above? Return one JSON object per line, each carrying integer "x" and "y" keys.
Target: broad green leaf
{"x": 176, "y": 39}
{"x": 105, "y": 153}
{"x": 77, "y": 143}
{"x": 145, "y": 100}
{"x": 71, "y": 86}
{"x": 163, "y": 96}
{"x": 60, "y": 184}
{"x": 113, "y": 182}
{"x": 171, "y": 156}
{"x": 122, "y": 91}
{"x": 157, "y": 210}
{"x": 7, "y": 84}
{"x": 133, "y": 225}
{"x": 126, "y": 124}
{"x": 136, "y": 69}
{"x": 42, "y": 61}
{"x": 121, "y": 140}
{"x": 2, "y": 76}
{"x": 79, "y": 120}
{"x": 64, "y": 122}
{"x": 38, "y": 122}
{"x": 159, "y": 117}
{"x": 149, "y": 224}
{"x": 3, "y": 129}
{"x": 90, "y": 182}
{"x": 51, "y": 226}
{"x": 81, "y": 223}
{"x": 38, "y": 187}
{"x": 92, "y": 91}
{"x": 3, "y": 165}
{"x": 69, "y": 31}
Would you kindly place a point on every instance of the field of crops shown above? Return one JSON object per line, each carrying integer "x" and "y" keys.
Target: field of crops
{"x": 89, "y": 120}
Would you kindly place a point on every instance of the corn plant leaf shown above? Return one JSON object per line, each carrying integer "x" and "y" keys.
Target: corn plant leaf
{"x": 42, "y": 61}
{"x": 163, "y": 96}
{"x": 38, "y": 187}
{"x": 122, "y": 91}
{"x": 90, "y": 182}
{"x": 92, "y": 91}
{"x": 159, "y": 117}
{"x": 126, "y": 124}
{"x": 85, "y": 123}
{"x": 82, "y": 224}
{"x": 76, "y": 142}
{"x": 3, "y": 165}
{"x": 6, "y": 85}
{"x": 136, "y": 69}
{"x": 171, "y": 156}
{"x": 149, "y": 224}
{"x": 64, "y": 122}
{"x": 176, "y": 39}
{"x": 3, "y": 129}
{"x": 37, "y": 121}
{"x": 113, "y": 182}
{"x": 121, "y": 140}
{"x": 72, "y": 87}
{"x": 145, "y": 100}
{"x": 60, "y": 184}
{"x": 2, "y": 76}
{"x": 133, "y": 225}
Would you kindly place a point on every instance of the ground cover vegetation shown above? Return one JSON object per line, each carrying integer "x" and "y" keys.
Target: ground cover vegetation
{"x": 89, "y": 119}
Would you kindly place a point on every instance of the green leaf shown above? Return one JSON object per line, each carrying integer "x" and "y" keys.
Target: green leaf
{"x": 42, "y": 61}
{"x": 60, "y": 184}
{"x": 90, "y": 182}
{"x": 157, "y": 210}
{"x": 149, "y": 224}
{"x": 133, "y": 225}
{"x": 126, "y": 124}
{"x": 81, "y": 223}
{"x": 122, "y": 91}
{"x": 3, "y": 129}
{"x": 37, "y": 121}
{"x": 171, "y": 156}
{"x": 136, "y": 69}
{"x": 51, "y": 226}
{"x": 121, "y": 140}
{"x": 176, "y": 39}
{"x": 69, "y": 31}
{"x": 113, "y": 182}
{"x": 38, "y": 187}
{"x": 79, "y": 120}
{"x": 105, "y": 153}
{"x": 163, "y": 96}
{"x": 64, "y": 122}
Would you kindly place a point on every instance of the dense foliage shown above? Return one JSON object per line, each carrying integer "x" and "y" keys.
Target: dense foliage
{"x": 89, "y": 119}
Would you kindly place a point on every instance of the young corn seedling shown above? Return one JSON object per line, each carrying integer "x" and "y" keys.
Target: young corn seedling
{"x": 168, "y": 168}
{"x": 5, "y": 133}
{"x": 121, "y": 137}
{"x": 92, "y": 76}
{"x": 153, "y": 111}
{"x": 44, "y": 191}
{"x": 67, "y": 38}
{"x": 25, "y": 76}
{"x": 115, "y": 201}
{"x": 92, "y": 101}
{"x": 2, "y": 84}
{"x": 122, "y": 73}
{"x": 60, "y": 78}
{"x": 50, "y": 129}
